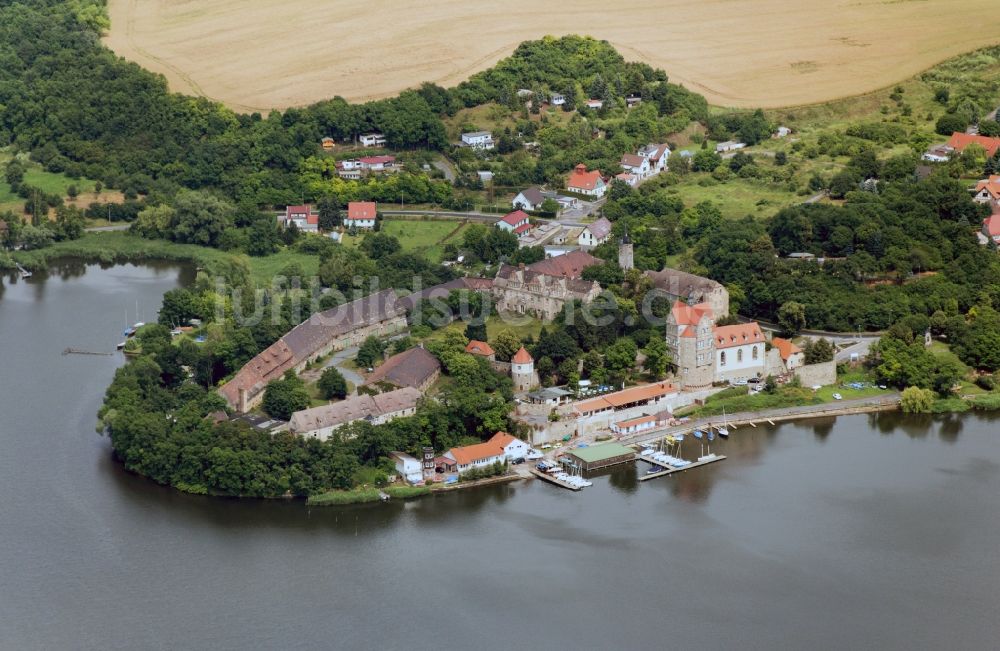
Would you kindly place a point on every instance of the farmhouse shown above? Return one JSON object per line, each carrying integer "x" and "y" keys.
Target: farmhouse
{"x": 729, "y": 145}
{"x": 361, "y": 215}
{"x": 324, "y": 332}
{"x": 530, "y": 199}
{"x": 589, "y": 183}
{"x": 501, "y": 448}
{"x": 478, "y": 140}
{"x": 302, "y": 216}
{"x": 705, "y": 353}
{"x": 415, "y": 368}
{"x": 680, "y": 285}
{"x": 596, "y": 233}
{"x": 636, "y": 164}
{"x": 320, "y": 422}
{"x": 516, "y": 222}
{"x": 372, "y": 140}
{"x": 371, "y": 164}
{"x": 988, "y": 191}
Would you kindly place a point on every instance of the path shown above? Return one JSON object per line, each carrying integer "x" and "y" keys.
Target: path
{"x": 106, "y": 229}
{"x": 339, "y": 360}
{"x": 819, "y": 196}
{"x": 446, "y": 168}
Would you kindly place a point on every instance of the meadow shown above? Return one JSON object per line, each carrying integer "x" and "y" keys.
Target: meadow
{"x": 738, "y": 53}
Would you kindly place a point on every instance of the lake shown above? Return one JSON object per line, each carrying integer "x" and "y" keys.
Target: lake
{"x": 864, "y": 532}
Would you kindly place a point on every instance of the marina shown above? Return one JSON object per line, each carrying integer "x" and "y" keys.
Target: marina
{"x": 552, "y": 479}
{"x": 669, "y": 470}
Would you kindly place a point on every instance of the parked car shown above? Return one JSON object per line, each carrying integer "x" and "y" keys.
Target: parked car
{"x": 518, "y": 461}
{"x": 837, "y": 396}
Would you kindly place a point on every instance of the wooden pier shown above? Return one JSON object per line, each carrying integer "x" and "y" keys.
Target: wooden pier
{"x": 669, "y": 470}
{"x": 549, "y": 478}
{"x": 76, "y": 351}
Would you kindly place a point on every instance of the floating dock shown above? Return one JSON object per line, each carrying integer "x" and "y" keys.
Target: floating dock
{"x": 549, "y": 478}
{"x": 669, "y": 470}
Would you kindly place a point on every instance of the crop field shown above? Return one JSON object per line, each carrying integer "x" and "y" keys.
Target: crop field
{"x": 261, "y": 54}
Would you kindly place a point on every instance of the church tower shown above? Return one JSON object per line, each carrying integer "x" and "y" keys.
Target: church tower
{"x": 625, "y": 258}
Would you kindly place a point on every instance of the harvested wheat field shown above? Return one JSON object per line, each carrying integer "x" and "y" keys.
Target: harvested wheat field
{"x": 262, "y": 54}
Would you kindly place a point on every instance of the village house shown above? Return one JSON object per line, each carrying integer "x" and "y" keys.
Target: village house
{"x": 636, "y": 164}
{"x": 328, "y": 143}
{"x": 729, "y": 145}
{"x": 791, "y": 355}
{"x": 478, "y": 140}
{"x": 988, "y": 191}
{"x": 957, "y": 144}
{"x": 516, "y": 222}
{"x": 372, "y": 140}
{"x": 630, "y": 180}
{"x": 595, "y": 104}
{"x": 595, "y": 234}
{"x": 349, "y": 169}
{"x": 375, "y": 164}
{"x": 481, "y": 349}
{"x": 361, "y": 215}
{"x": 589, "y": 183}
{"x": 501, "y": 448}
{"x": 680, "y": 285}
{"x": 558, "y": 99}
{"x": 658, "y": 157}
{"x": 415, "y": 368}
{"x": 640, "y": 424}
{"x": 632, "y": 100}
{"x": 991, "y": 229}
{"x": 407, "y": 467}
{"x": 321, "y": 422}
{"x": 346, "y": 325}
{"x": 705, "y": 353}
{"x": 530, "y": 199}
{"x": 302, "y": 216}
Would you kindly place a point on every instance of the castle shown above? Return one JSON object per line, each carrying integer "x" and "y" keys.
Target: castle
{"x": 705, "y": 353}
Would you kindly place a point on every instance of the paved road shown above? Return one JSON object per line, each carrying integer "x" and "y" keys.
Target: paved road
{"x": 106, "y": 229}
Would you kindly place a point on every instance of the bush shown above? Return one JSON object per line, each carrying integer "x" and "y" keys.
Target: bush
{"x": 917, "y": 401}
{"x": 986, "y": 382}
{"x": 336, "y": 498}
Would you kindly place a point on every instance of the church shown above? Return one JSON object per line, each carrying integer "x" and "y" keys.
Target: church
{"x": 705, "y": 353}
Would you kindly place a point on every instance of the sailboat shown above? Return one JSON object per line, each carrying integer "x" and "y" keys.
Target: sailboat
{"x": 724, "y": 430}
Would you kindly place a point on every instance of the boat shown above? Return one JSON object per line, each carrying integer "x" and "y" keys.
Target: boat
{"x": 724, "y": 430}
{"x": 120, "y": 346}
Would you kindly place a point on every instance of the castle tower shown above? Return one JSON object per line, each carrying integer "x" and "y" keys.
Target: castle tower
{"x": 522, "y": 371}
{"x": 625, "y": 256}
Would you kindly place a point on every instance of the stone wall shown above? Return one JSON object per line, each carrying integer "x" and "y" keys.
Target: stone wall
{"x": 817, "y": 374}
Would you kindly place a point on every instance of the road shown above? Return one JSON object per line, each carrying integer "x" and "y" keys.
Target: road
{"x": 107, "y": 229}
{"x": 339, "y": 360}
{"x": 446, "y": 168}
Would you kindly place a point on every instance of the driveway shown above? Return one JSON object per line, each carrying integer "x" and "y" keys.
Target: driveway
{"x": 339, "y": 360}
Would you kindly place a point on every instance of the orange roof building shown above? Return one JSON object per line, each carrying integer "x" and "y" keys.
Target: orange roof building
{"x": 500, "y": 448}
{"x": 586, "y": 182}
{"x": 522, "y": 357}
{"x": 480, "y": 348}
{"x": 959, "y": 142}
{"x": 647, "y": 395}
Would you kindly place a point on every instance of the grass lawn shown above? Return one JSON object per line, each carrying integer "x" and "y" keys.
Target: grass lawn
{"x": 423, "y": 237}
{"x": 263, "y": 270}
{"x": 494, "y": 326}
{"x": 736, "y": 198}
{"x": 47, "y": 182}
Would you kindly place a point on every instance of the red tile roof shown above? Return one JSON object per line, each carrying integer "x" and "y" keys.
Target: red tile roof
{"x": 378, "y": 160}
{"x": 690, "y": 315}
{"x": 522, "y": 357}
{"x": 991, "y": 226}
{"x": 991, "y": 185}
{"x": 626, "y": 397}
{"x": 361, "y": 210}
{"x": 737, "y": 335}
{"x": 467, "y": 454}
{"x": 632, "y": 160}
{"x": 959, "y": 141}
{"x": 514, "y": 218}
{"x": 479, "y": 348}
{"x": 581, "y": 179}
{"x": 523, "y": 228}
{"x": 785, "y": 347}
{"x": 410, "y": 368}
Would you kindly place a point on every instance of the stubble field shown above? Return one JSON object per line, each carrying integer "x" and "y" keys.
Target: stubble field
{"x": 255, "y": 55}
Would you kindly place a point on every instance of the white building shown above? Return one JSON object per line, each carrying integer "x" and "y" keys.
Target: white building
{"x": 739, "y": 352}
{"x": 516, "y": 222}
{"x": 361, "y": 215}
{"x": 782, "y": 132}
{"x": 636, "y": 164}
{"x": 502, "y": 447}
{"x": 595, "y": 234}
{"x": 589, "y": 183}
{"x": 530, "y": 199}
{"x": 558, "y": 100}
{"x": 410, "y": 469}
{"x": 302, "y": 216}
{"x": 321, "y": 422}
{"x": 729, "y": 145}
{"x": 478, "y": 140}
{"x": 372, "y": 140}
{"x": 658, "y": 157}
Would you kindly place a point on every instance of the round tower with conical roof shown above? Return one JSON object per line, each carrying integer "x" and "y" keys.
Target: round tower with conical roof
{"x": 522, "y": 370}
{"x": 625, "y": 256}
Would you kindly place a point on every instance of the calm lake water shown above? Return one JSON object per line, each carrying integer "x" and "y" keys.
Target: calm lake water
{"x": 865, "y": 532}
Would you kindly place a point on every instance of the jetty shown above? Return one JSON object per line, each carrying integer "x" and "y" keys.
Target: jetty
{"x": 77, "y": 351}
{"x": 669, "y": 470}
{"x": 553, "y": 480}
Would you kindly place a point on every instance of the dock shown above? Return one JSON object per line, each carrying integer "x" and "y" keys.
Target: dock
{"x": 76, "y": 351}
{"x": 669, "y": 470}
{"x": 549, "y": 478}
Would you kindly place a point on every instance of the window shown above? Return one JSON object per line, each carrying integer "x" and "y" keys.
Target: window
{"x": 755, "y": 352}
{"x": 722, "y": 358}
{"x": 739, "y": 356}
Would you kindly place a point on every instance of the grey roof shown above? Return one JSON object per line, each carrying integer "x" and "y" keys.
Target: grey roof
{"x": 316, "y": 331}
{"x": 443, "y": 290}
{"x": 600, "y": 228}
{"x": 534, "y": 195}
{"x": 410, "y": 368}
{"x": 473, "y": 134}
{"x": 354, "y": 408}
{"x": 681, "y": 283}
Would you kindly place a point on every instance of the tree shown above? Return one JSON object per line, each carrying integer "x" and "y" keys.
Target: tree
{"x": 915, "y": 400}
{"x": 505, "y": 345}
{"x": 332, "y": 384}
{"x": 780, "y": 158}
{"x": 380, "y": 245}
{"x": 818, "y": 351}
{"x": 200, "y": 218}
{"x": 370, "y": 352}
{"x": 705, "y": 160}
{"x": 657, "y": 357}
{"x": 329, "y": 213}
{"x": 285, "y": 396}
{"x": 154, "y": 222}
{"x": 178, "y": 307}
{"x": 949, "y": 123}
{"x": 549, "y": 205}
{"x": 14, "y": 174}
{"x": 619, "y": 357}
{"x": 792, "y": 317}
{"x": 475, "y": 330}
